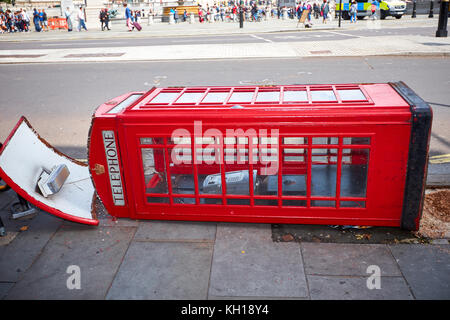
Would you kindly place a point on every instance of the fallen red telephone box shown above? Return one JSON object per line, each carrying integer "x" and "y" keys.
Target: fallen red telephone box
{"x": 350, "y": 154}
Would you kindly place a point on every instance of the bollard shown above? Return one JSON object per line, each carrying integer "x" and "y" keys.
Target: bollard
{"x": 414, "y": 9}
{"x": 150, "y": 19}
{"x": 443, "y": 17}
{"x": 191, "y": 18}
{"x": 431, "y": 10}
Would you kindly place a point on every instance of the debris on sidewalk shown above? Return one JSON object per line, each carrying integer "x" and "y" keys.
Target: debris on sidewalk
{"x": 435, "y": 221}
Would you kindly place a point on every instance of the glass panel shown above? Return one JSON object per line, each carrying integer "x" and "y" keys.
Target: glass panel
{"x": 181, "y": 171}
{"x": 190, "y": 97}
{"x": 154, "y": 170}
{"x": 241, "y": 97}
{"x": 295, "y": 140}
{"x": 354, "y": 173}
{"x": 178, "y": 200}
{"x": 164, "y": 97}
{"x": 325, "y": 140}
{"x": 356, "y": 140}
{"x": 210, "y": 201}
{"x": 294, "y": 155}
{"x": 353, "y": 204}
{"x": 323, "y": 155}
{"x": 295, "y": 95}
{"x": 323, "y": 95}
{"x": 209, "y": 178}
{"x": 268, "y": 96}
{"x": 349, "y": 95}
{"x": 238, "y": 181}
{"x": 179, "y": 140}
{"x": 152, "y": 141}
{"x": 215, "y": 97}
{"x": 157, "y": 200}
{"x": 242, "y": 202}
{"x": 294, "y": 203}
{"x": 267, "y": 176}
{"x": 266, "y": 202}
{"x": 323, "y": 173}
{"x": 294, "y": 177}
{"x": 323, "y": 203}
{"x": 125, "y": 103}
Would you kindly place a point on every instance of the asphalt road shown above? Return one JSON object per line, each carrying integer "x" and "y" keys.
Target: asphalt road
{"x": 59, "y": 99}
{"x": 217, "y": 39}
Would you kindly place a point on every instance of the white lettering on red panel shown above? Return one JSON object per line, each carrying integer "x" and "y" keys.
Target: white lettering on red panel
{"x": 112, "y": 158}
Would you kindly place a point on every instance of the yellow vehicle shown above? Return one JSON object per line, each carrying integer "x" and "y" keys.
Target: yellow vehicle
{"x": 395, "y": 8}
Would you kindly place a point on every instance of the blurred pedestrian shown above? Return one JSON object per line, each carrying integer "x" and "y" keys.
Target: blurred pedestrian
{"x": 36, "y": 20}
{"x": 80, "y": 17}
{"x": 128, "y": 17}
{"x": 68, "y": 14}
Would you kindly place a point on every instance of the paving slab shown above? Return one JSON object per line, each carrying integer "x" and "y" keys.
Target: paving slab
{"x": 426, "y": 268}
{"x": 247, "y": 263}
{"x": 97, "y": 252}
{"x": 4, "y": 288}
{"x": 175, "y": 230}
{"x": 355, "y": 288}
{"x": 347, "y": 259}
{"x": 17, "y": 256}
{"x": 163, "y": 270}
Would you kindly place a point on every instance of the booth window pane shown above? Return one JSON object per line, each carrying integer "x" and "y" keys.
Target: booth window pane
{"x": 159, "y": 141}
{"x": 294, "y": 203}
{"x": 293, "y": 179}
{"x": 323, "y": 203}
{"x": 323, "y": 173}
{"x": 295, "y": 140}
{"x": 323, "y": 95}
{"x": 181, "y": 171}
{"x": 354, "y": 173}
{"x": 353, "y": 204}
{"x": 154, "y": 164}
{"x": 241, "y": 97}
{"x": 190, "y": 97}
{"x": 164, "y": 97}
{"x": 209, "y": 179}
{"x": 215, "y": 97}
{"x": 325, "y": 140}
{"x": 295, "y": 95}
{"x": 211, "y": 201}
{"x": 351, "y": 95}
{"x": 356, "y": 140}
{"x": 269, "y": 96}
{"x": 157, "y": 200}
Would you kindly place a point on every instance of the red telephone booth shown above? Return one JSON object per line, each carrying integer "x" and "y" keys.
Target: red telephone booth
{"x": 353, "y": 154}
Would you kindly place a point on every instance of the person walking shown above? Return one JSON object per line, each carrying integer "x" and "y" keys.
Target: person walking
{"x": 26, "y": 19}
{"x": 353, "y": 12}
{"x": 128, "y": 17}
{"x": 325, "y": 9}
{"x": 44, "y": 20}
{"x": 37, "y": 26}
{"x": 106, "y": 19}
{"x": 68, "y": 14}
{"x": 80, "y": 17}
{"x": 373, "y": 8}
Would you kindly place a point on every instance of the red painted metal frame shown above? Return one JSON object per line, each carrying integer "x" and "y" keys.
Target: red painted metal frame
{"x": 382, "y": 116}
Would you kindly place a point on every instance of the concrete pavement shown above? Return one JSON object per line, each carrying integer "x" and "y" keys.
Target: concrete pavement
{"x": 127, "y": 259}
{"x": 321, "y": 44}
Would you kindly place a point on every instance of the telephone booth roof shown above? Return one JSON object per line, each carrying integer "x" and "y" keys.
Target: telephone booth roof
{"x": 342, "y": 101}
